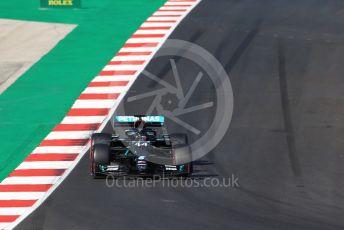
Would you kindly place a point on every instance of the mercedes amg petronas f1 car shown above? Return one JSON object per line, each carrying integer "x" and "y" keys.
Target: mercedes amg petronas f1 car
{"x": 139, "y": 146}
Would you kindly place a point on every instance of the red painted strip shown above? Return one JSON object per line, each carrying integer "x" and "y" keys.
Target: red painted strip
{"x": 16, "y": 203}
{"x": 133, "y": 53}
{"x": 76, "y": 127}
{"x": 25, "y": 188}
{"x": 160, "y": 21}
{"x": 182, "y": 10}
{"x": 126, "y": 62}
{"x": 108, "y": 83}
{"x": 116, "y": 72}
{"x": 155, "y": 28}
{"x": 129, "y": 45}
{"x": 176, "y": 5}
{"x": 52, "y": 157}
{"x": 170, "y": 16}
{"x": 64, "y": 142}
{"x": 37, "y": 172}
{"x": 148, "y": 35}
{"x": 88, "y": 112}
{"x": 8, "y": 218}
{"x": 95, "y": 96}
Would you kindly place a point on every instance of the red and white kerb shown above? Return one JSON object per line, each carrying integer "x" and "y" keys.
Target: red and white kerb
{"x": 50, "y": 163}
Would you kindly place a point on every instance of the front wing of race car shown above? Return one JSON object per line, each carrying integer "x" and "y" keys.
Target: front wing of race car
{"x": 143, "y": 169}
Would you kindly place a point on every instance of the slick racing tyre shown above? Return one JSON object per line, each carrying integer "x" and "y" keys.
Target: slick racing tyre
{"x": 100, "y": 156}
{"x": 101, "y": 138}
{"x": 181, "y": 154}
{"x": 97, "y": 138}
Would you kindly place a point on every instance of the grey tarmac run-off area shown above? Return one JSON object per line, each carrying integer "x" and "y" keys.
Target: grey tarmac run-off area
{"x": 285, "y": 141}
{"x": 23, "y": 43}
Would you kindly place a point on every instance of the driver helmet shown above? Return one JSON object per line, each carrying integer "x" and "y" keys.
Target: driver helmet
{"x": 139, "y": 124}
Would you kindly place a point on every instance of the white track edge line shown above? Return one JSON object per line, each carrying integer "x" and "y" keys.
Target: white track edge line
{"x": 102, "y": 126}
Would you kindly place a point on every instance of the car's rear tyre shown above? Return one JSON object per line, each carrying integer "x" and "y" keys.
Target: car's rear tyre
{"x": 101, "y": 138}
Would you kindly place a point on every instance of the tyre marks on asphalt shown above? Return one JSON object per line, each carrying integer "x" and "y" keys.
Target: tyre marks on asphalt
{"x": 286, "y": 110}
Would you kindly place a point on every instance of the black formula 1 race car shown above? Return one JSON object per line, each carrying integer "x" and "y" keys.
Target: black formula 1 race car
{"x": 139, "y": 146}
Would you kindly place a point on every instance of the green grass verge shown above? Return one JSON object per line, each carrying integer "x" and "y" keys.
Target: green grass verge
{"x": 35, "y": 103}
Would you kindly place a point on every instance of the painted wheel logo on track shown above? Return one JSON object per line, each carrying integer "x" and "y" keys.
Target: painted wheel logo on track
{"x": 197, "y": 101}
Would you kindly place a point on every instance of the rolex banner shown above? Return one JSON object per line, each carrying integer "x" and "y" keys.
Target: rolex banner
{"x": 60, "y": 3}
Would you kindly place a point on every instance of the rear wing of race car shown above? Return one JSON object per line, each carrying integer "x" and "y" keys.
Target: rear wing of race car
{"x": 128, "y": 121}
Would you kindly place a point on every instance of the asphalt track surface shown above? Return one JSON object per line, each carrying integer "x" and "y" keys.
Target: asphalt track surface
{"x": 284, "y": 59}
